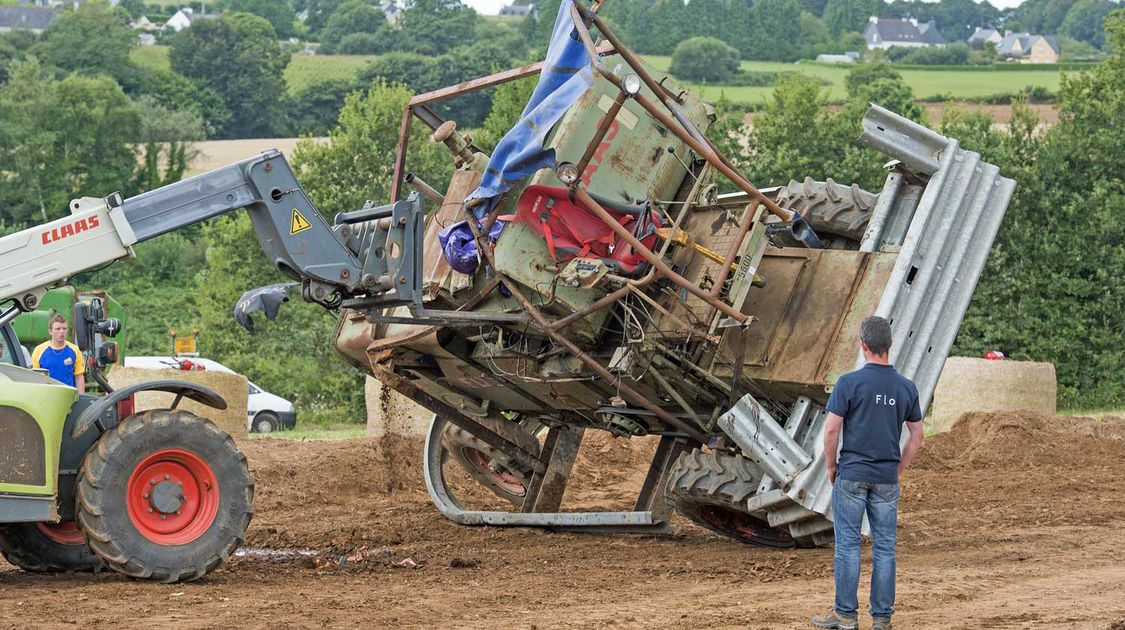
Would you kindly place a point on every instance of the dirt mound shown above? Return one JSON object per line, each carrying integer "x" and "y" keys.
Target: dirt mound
{"x": 1023, "y": 440}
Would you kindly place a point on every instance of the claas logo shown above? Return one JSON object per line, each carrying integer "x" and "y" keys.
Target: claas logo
{"x": 70, "y": 229}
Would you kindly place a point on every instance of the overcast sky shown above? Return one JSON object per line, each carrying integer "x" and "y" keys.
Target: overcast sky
{"x": 492, "y": 7}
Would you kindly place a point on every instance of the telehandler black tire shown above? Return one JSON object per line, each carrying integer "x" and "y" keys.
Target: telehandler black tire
{"x": 491, "y": 468}
{"x": 711, "y": 490}
{"x": 165, "y": 496}
{"x": 836, "y": 212}
{"x": 48, "y": 548}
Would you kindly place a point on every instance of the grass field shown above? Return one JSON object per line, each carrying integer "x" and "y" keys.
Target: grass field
{"x": 302, "y": 71}
{"x": 927, "y": 84}
{"x": 151, "y": 57}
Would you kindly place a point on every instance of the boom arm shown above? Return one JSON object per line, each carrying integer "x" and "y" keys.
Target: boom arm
{"x": 365, "y": 256}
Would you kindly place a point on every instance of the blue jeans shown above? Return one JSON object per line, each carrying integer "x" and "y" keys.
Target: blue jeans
{"x": 850, "y": 500}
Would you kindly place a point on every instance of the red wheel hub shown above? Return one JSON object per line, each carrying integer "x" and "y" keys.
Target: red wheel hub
{"x": 173, "y": 497}
{"x": 500, "y": 476}
{"x": 64, "y": 533}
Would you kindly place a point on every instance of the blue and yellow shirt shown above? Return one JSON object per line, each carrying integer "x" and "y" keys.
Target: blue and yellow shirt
{"x": 62, "y": 365}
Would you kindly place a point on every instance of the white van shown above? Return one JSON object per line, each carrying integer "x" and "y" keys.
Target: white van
{"x": 265, "y": 412}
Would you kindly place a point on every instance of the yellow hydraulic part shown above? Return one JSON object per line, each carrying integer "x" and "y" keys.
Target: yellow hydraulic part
{"x": 680, "y": 237}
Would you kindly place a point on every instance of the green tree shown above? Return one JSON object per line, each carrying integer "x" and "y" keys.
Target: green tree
{"x": 165, "y": 137}
{"x": 815, "y": 38}
{"x": 135, "y": 8}
{"x": 867, "y": 73}
{"x": 314, "y": 110}
{"x": 319, "y": 13}
{"x": 92, "y": 39}
{"x": 842, "y": 16}
{"x": 60, "y": 140}
{"x": 278, "y": 12}
{"x": 776, "y": 30}
{"x": 237, "y": 56}
{"x": 352, "y": 18}
{"x": 1084, "y": 21}
{"x": 435, "y": 27}
{"x": 14, "y": 46}
{"x": 357, "y": 163}
{"x": 175, "y": 91}
{"x": 704, "y": 59}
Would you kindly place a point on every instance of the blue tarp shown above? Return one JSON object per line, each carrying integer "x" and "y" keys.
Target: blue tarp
{"x": 567, "y": 74}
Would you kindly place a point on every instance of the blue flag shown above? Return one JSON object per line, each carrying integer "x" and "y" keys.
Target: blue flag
{"x": 567, "y": 74}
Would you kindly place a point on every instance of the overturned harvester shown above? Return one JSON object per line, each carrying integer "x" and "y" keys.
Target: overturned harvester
{"x": 615, "y": 290}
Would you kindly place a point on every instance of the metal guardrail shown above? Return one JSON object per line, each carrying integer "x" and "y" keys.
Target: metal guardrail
{"x": 941, "y": 206}
{"x": 945, "y": 248}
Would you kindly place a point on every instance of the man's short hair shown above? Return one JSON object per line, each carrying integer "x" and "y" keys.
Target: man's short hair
{"x": 875, "y": 333}
{"x": 56, "y": 319}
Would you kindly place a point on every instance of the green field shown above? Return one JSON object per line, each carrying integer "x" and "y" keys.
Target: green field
{"x": 927, "y": 84}
{"x": 151, "y": 57}
{"x": 302, "y": 71}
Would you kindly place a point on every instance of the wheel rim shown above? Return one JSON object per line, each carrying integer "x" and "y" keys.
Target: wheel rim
{"x": 64, "y": 532}
{"x": 265, "y": 425}
{"x": 501, "y": 476}
{"x": 173, "y": 497}
{"x": 742, "y": 526}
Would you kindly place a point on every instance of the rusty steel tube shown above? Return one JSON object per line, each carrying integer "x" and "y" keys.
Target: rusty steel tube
{"x": 541, "y": 321}
{"x": 428, "y": 191}
{"x": 653, "y": 259}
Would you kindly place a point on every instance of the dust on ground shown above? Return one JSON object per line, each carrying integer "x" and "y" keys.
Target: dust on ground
{"x": 1008, "y": 521}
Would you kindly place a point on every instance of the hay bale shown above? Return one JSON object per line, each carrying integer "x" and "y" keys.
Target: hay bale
{"x": 233, "y": 387}
{"x": 968, "y": 384}
{"x": 391, "y": 413}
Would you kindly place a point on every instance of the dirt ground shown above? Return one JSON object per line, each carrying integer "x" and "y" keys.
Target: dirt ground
{"x": 1008, "y": 521}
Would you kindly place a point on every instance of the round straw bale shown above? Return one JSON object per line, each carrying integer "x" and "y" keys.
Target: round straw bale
{"x": 968, "y": 384}
{"x": 232, "y": 387}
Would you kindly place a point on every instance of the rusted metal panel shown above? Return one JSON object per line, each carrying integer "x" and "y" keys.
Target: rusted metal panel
{"x": 808, "y": 311}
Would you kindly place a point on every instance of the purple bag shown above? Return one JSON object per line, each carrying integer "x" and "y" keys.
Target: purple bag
{"x": 459, "y": 248}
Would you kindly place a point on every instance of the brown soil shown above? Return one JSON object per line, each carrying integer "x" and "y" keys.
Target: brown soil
{"x": 1008, "y": 521}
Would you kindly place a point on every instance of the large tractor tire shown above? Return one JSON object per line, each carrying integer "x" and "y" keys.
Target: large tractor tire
{"x": 838, "y": 214}
{"x": 711, "y": 489}
{"x": 165, "y": 496}
{"x": 491, "y": 468}
{"x": 48, "y": 548}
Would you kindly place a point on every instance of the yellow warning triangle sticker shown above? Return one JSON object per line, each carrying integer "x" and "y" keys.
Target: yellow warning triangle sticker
{"x": 299, "y": 223}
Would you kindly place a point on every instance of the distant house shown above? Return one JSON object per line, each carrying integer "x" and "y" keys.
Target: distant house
{"x": 24, "y": 18}
{"x": 1027, "y": 48}
{"x": 520, "y": 10}
{"x": 983, "y": 36}
{"x": 184, "y": 18}
{"x": 146, "y": 39}
{"x": 885, "y": 33}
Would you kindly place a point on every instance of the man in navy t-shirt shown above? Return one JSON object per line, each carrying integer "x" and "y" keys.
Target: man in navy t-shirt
{"x": 871, "y": 405}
